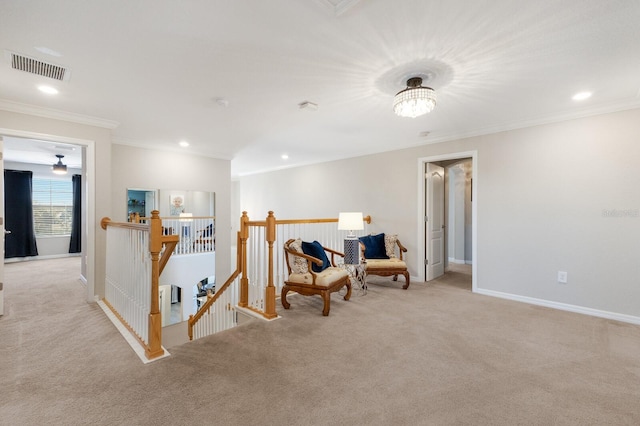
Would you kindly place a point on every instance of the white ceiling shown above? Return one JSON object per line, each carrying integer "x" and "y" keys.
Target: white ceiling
{"x": 41, "y": 152}
{"x": 155, "y": 69}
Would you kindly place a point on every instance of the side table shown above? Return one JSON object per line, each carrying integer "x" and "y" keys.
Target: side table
{"x": 357, "y": 276}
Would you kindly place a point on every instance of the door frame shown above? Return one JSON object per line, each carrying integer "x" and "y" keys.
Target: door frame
{"x": 88, "y": 175}
{"x": 421, "y": 234}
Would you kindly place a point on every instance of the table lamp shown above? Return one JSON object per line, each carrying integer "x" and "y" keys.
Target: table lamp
{"x": 351, "y": 221}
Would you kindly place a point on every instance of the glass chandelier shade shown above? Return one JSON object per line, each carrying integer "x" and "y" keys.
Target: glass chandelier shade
{"x": 415, "y": 100}
{"x": 59, "y": 168}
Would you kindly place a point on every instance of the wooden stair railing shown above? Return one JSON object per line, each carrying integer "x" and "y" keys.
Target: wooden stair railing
{"x": 270, "y": 291}
{"x": 241, "y": 270}
{"x": 200, "y": 237}
{"x": 159, "y": 259}
{"x": 271, "y": 234}
{"x": 211, "y": 299}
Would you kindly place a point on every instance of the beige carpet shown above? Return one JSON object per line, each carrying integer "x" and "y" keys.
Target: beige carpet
{"x": 435, "y": 354}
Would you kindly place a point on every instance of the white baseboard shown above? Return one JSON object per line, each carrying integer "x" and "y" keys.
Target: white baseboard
{"x": 250, "y": 313}
{"x": 50, "y": 256}
{"x": 562, "y": 306}
{"x": 458, "y": 261}
{"x": 128, "y": 337}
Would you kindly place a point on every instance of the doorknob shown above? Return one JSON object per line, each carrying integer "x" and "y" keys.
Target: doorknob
{"x": 6, "y": 232}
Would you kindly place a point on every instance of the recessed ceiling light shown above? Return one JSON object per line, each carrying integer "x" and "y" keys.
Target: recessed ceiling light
{"x": 581, "y": 96}
{"x": 310, "y": 106}
{"x": 284, "y": 156}
{"x": 222, "y": 102}
{"x": 48, "y": 90}
{"x": 48, "y": 51}
{"x": 183, "y": 144}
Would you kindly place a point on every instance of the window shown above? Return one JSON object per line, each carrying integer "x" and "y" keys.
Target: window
{"x": 52, "y": 206}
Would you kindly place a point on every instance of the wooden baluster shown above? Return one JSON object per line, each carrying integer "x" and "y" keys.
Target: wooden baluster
{"x": 244, "y": 282}
{"x": 270, "y": 292}
{"x": 154, "y": 347}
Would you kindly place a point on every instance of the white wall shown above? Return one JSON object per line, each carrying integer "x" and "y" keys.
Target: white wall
{"x": 143, "y": 168}
{"x": 544, "y": 197}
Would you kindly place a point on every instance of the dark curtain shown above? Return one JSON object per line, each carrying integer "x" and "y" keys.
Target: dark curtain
{"x": 76, "y": 224}
{"x": 21, "y": 242}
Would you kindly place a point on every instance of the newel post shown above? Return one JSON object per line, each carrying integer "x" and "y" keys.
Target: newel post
{"x": 270, "y": 291}
{"x": 244, "y": 281}
{"x": 154, "y": 346}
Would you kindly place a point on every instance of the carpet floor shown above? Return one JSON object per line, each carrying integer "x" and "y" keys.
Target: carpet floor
{"x": 435, "y": 354}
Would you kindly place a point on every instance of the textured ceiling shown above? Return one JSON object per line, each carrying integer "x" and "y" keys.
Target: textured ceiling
{"x": 227, "y": 76}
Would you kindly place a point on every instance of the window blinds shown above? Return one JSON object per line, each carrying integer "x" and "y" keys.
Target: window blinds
{"x": 52, "y": 206}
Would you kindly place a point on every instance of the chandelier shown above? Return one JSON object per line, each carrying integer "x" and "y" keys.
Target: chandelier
{"x": 415, "y": 100}
{"x": 59, "y": 168}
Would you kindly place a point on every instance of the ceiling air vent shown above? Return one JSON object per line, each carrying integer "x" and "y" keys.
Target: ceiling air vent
{"x": 35, "y": 66}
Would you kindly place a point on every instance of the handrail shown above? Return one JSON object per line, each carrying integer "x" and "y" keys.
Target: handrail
{"x": 296, "y": 221}
{"x": 139, "y": 218}
{"x": 106, "y": 221}
{"x": 196, "y": 233}
{"x": 270, "y": 224}
{"x": 159, "y": 258}
{"x": 267, "y": 294}
{"x": 169, "y": 240}
{"x": 193, "y": 319}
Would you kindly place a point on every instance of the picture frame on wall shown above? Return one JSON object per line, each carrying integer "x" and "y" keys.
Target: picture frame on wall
{"x": 177, "y": 204}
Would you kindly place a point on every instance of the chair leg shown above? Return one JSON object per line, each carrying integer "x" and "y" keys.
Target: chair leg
{"x": 326, "y": 296}
{"x": 283, "y": 297}
{"x": 348, "y": 295}
{"x": 406, "y": 278}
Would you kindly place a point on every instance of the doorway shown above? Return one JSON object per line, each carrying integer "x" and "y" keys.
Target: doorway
{"x": 447, "y": 195}
{"x": 87, "y": 148}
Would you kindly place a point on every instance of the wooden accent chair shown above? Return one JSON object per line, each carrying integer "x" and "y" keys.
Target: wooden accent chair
{"x": 311, "y": 274}
{"x": 383, "y": 256}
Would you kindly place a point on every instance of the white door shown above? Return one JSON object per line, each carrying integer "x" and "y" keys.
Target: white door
{"x": 434, "y": 182}
{"x": 2, "y": 230}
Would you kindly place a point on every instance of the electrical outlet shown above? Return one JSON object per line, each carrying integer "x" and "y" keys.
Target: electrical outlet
{"x": 562, "y": 277}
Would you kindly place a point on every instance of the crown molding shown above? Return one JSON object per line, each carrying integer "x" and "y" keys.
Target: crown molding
{"x": 541, "y": 121}
{"x": 434, "y": 139}
{"x": 159, "y": 147}
{"x": 56, "y": 114}
{"x": 339, "y": 6}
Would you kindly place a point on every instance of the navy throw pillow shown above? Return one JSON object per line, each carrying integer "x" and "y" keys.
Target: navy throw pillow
{"x": 374, "y": 247}
{"x": 315, "y": 249}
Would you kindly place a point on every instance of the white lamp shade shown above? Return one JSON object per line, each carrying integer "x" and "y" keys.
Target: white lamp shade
{"x": 350, "y": 221}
